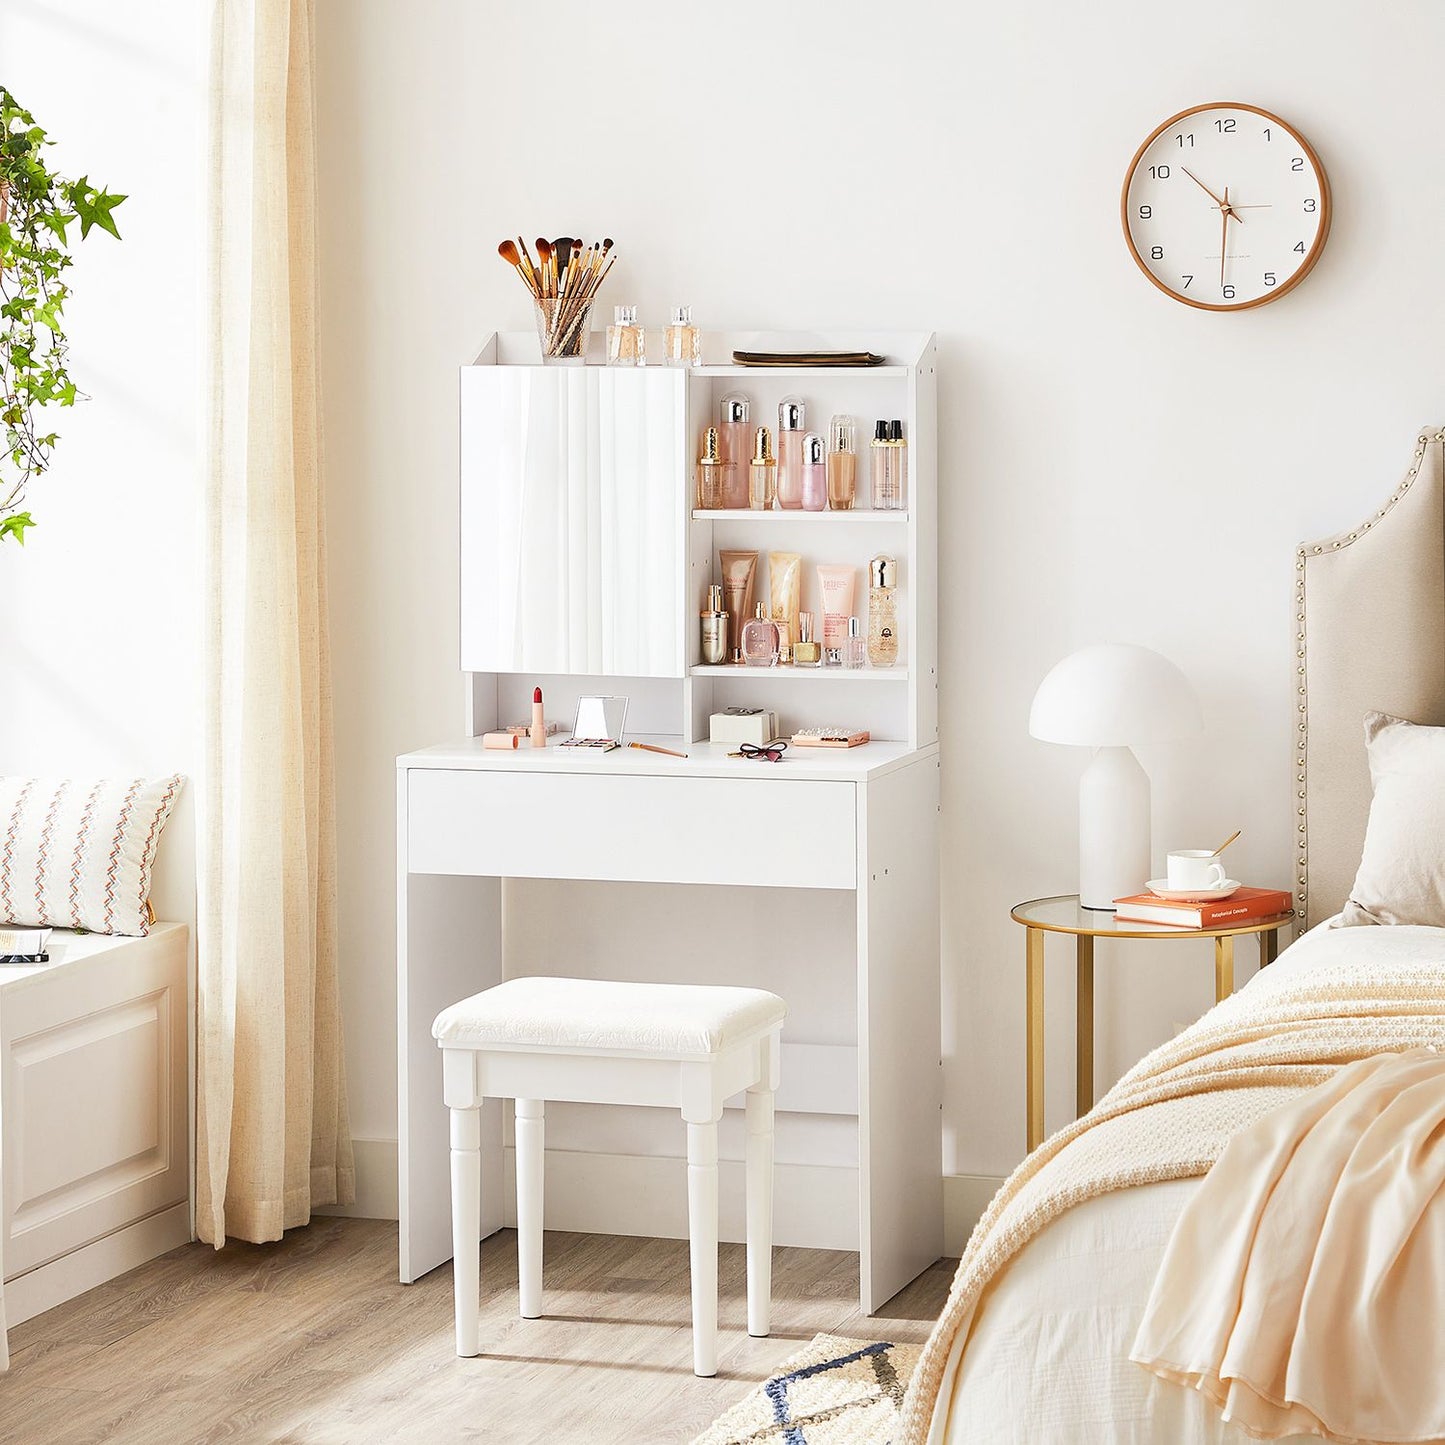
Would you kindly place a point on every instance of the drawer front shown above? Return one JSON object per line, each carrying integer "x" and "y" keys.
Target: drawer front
{"x": 637, "y": 829}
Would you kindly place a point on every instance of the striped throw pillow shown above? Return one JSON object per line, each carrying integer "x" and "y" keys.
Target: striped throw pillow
{"x": 78, "y": 854}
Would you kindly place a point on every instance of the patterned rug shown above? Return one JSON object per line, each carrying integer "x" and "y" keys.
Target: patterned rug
{"x": 833, "y": 1392}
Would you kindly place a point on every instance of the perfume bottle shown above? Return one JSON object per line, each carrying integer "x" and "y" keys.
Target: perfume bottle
{"x": 890, "y": 464}
{"x": 710, "y": 473}
{"x": 815, "y": 473}
{"x": 791, "y": 420}
{"x": 626, "y": 340}
{"x": 842, "y": 463}
{"x": 900, "y": 461}
{"x": 882, "y": 612}
{"x": 852, "y": 648}
{"x": 760, "y": 640}
{"x": 682, "y": 341}
{"x": 763, "y": 474}
{"x": 806, "y": 651}
{"x": 734, "y": 437}
{"x": 714, "y": 623}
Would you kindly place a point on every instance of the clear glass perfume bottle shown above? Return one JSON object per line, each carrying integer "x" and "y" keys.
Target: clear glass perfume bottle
{"x": 852, "y": 649}
{"x": 882, "y": 612}
{"x": 792, "y": 417}
{"x": 815, "y": 473}
{"x": 682, "y": 341}
{"x": 760, "y": 640}
{"x": 763, "y": 473}
{"x": 626, "y": 340}
{"x": 890, "y": 466}
{"x": 735, "y": 444}
{"x": 711, "y": 473}
{"x": 842, "y": 463}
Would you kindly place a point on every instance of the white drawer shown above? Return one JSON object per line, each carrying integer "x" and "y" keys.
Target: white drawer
{"x": 747, "y": 831}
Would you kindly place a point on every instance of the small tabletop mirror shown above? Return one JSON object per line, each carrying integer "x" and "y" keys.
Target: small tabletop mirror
{"x": 599, "y": 721}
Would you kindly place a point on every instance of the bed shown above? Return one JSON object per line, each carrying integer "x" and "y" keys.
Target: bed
{"x": 1042, "y": 1353}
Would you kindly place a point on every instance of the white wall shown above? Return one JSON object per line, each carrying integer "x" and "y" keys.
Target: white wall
{"x": 1114, "y": 465}
{"x": 99, "y": 611}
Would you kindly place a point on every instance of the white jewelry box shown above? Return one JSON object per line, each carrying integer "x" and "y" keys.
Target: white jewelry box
{"x": 756, "y": 727}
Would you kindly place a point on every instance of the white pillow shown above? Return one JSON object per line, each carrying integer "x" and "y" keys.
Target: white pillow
{"x": 1402, "y": 873}
{"x": 78, "y": 853}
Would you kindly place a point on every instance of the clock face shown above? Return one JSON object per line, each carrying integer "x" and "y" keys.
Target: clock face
{"x": 1226, "y": 207}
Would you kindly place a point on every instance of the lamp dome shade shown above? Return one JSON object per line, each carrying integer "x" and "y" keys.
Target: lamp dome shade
{"x": 1114, "y": 694}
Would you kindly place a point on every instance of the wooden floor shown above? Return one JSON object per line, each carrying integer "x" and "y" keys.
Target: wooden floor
{"x": 314, "y": 1340}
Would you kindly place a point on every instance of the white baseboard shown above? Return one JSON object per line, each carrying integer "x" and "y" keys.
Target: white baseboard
{"x": 634, "y": 1195}
{"x": 376, "y": 1182}
{"x": 48, "y": 1285}
{"x": 965, "y": 1197}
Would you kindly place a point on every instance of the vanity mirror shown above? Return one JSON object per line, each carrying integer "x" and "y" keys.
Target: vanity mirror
{"x": 572, "y": 521}
{"x": 599, "y": 723}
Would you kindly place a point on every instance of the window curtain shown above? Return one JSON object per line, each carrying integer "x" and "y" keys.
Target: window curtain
{"x": 273, "y": 1137}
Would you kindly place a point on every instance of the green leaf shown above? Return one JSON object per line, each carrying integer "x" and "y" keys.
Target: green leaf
{"x": 14, "y": 526}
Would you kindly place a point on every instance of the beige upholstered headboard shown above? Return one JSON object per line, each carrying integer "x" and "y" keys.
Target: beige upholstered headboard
{"x": 1370, "y": 630}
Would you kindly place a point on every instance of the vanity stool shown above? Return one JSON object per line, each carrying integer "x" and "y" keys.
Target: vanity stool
{"x": 588, "y": 1041}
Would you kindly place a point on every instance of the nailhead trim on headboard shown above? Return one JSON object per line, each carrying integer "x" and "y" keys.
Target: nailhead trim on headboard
{"x": 1302, "y": 555}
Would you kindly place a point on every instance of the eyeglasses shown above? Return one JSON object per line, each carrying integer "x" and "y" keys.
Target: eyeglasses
{"x": 770, "y": 754}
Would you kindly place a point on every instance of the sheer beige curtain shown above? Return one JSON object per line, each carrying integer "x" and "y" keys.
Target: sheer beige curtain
{"x": 273, "y": 1136}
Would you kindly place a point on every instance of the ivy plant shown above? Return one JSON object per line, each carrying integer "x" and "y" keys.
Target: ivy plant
{"x": 37, "y": 208}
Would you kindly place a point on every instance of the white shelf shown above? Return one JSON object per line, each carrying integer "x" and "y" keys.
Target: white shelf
{"x": 749, "y": 514}
{"x": 732, "y": 369}
{"x": 790, "y": 673}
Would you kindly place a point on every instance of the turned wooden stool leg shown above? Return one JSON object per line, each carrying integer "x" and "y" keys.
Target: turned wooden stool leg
{"x": 531, "y": 1155}
{"x": 760, "y": 1209}
{"x": 467, "y": 1226}
{"x": 702, "y": 1238}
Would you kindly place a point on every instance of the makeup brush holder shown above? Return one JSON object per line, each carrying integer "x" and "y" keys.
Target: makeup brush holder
{"x": 563, "y": 328}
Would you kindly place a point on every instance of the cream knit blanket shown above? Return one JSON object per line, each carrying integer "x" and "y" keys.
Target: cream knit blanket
{"x": 1346, "y": 994}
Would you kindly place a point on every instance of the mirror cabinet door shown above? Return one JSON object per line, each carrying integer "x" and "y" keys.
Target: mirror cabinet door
{"x": 573, "y": 514}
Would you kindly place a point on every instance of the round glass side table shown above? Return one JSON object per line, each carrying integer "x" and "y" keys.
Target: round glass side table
{"x": 1064, "y": 914}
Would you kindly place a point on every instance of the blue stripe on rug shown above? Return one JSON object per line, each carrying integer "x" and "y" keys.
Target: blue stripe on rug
{"x": 777, "y": 1387}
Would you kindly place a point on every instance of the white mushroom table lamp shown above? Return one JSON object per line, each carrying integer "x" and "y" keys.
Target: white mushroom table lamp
{"x": 1113, "y": 697}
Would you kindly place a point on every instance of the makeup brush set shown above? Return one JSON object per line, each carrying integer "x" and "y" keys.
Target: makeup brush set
{"x": 564, "y": 281}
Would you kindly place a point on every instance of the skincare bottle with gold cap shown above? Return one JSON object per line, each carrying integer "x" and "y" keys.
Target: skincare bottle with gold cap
{"x": 710, "y": 473}
{"x": 882, "y": 611}
{"x": 842, "y": 463}
{"x": 714, "y": 623}
{"x": 763, "y": 473}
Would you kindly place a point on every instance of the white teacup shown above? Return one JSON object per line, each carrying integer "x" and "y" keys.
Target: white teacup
{"x": 1196, "y": 868}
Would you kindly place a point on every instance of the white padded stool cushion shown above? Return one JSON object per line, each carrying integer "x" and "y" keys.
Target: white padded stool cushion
{"x": 581, "y": 1015}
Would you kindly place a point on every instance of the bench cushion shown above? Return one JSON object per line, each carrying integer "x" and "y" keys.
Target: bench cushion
{"x": 579, "y": 1015}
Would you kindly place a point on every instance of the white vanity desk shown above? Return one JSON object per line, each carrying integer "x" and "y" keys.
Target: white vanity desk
{"x": 469, "y": 818}
{"x": 583, "y": 568}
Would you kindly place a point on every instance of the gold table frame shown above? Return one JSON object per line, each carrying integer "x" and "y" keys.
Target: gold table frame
{"x": 1087, "y": 925}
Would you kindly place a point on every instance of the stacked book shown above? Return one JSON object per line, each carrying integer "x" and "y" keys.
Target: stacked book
{"x": 23, "y": 945}
{"x": 1244, "y": 905}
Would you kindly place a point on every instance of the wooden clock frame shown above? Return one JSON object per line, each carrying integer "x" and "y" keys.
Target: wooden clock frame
{"x": 1321, "y": 235}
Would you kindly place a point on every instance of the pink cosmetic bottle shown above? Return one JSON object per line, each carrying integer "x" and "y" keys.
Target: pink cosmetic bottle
{"x": 735, "y": 441}
{"x": 815, "y": 473}
{"x": 791, "y": 420}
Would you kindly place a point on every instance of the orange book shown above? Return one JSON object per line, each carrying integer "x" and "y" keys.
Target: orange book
{"x": 1244, "y": 905}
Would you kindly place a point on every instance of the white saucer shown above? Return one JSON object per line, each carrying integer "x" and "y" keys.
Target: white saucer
{"x": 1161, "y": 889}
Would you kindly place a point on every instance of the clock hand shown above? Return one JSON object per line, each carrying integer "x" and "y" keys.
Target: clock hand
{"x": 1223, "y": 235}
{"x": 1222, "y": 205}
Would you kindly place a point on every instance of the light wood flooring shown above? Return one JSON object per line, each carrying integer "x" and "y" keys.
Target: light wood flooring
{"x": 314, "y": 1340}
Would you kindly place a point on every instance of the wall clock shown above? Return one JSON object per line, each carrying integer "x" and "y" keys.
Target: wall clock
{"x": 1225, "y": 207}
